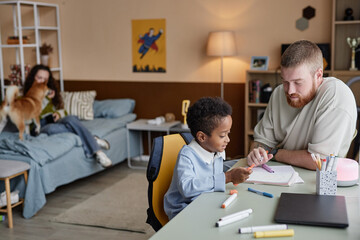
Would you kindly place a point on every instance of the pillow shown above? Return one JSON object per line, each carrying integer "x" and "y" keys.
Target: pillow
{"x": 79, "y": 104}
{"x": 113, "y": 108}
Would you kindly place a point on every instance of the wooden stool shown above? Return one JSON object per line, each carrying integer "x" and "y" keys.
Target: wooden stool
{"x": 8, "y": 170}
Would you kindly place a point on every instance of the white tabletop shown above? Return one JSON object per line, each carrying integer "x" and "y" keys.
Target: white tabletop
{"x": 143, "y": 125}
{"x": 197, "y": 221}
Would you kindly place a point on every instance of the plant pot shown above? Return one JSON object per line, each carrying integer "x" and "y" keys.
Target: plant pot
{"x": 44, "y": 60}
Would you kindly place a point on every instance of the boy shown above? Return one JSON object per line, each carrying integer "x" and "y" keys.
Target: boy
{"x": 199, "y": 167}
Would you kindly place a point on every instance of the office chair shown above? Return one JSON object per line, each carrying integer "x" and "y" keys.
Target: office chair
{"x": 357, "y": 137}
{"x": 159, "y": 174}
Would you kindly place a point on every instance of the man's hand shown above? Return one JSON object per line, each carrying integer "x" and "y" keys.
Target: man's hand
{"x": 237, "y": 175}
{"x": 258, "y": 156}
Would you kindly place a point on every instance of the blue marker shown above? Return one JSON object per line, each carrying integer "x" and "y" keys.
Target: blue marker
{"x": 260, "y": 193}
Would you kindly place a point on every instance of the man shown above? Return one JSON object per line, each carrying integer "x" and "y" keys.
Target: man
{"x": 306, "y": 114}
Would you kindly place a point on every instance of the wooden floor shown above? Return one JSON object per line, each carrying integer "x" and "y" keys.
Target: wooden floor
{"x": 40, "y": 227}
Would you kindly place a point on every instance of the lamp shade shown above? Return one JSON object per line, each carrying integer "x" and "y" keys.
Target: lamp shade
{"x": 221, "y": 43}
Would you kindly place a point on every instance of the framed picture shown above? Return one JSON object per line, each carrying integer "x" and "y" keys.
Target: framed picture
{"x": 259, "y": 62}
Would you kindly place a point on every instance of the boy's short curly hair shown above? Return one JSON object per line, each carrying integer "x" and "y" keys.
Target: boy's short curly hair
{"x": 206, "y": 114}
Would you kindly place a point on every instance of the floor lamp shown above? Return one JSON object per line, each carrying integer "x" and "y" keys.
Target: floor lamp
{"x": 221, "y": 44}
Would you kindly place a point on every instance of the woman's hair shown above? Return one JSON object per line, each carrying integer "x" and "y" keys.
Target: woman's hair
{"x": 206, "y": 114}
{"x": 303, "y": 51}
{"x": 57, "y": 100}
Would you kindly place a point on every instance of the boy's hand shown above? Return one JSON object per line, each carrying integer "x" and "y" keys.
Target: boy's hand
{"x": 237, "y": 175}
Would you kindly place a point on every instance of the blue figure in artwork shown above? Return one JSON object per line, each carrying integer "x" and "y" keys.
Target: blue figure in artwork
{"x": 148, "y": 41}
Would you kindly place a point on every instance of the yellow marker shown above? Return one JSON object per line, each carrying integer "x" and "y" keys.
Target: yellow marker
{"x": 277, "y": 233}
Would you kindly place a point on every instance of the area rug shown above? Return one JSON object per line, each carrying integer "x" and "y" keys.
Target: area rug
{"x": 121, "y": 206}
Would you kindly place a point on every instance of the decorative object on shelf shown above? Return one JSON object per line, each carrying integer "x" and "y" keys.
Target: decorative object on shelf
{"x": 221, "y": 44}
{"x": 353, "y": 44}
{"x": 349, "y": 14}
{"x": 45, "y": 50}
{"x": 259, "y": 63}
{"x": 169, "y": 117}
{"x": 265, "y": 93}
{"x": 184, "y": 110}
{"x": 15, "y": 40}
{"x": 15, "y": 76}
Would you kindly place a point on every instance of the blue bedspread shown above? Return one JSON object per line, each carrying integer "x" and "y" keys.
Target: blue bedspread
{"x": 59, "y": 159}
{"x": 40, "y": 149}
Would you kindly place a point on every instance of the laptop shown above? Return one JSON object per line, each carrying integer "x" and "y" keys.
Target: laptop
{"x": 308, "y": 209}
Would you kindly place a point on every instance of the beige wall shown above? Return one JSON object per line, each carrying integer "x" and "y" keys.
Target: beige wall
{"x": 96, "y": 35}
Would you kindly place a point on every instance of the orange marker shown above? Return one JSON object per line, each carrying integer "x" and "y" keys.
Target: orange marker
{"x": 251, "y": 167}
{"x": 229, "y": 200}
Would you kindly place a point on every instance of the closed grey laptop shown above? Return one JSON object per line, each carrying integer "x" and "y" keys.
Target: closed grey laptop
{"x": 309, "y": 209}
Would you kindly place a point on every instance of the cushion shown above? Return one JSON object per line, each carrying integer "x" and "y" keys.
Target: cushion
{"x": 79, "y": 104}
{"x": 113, "y": 108}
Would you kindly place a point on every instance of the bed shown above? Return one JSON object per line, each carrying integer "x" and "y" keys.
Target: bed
{"x": 59, "y": 159}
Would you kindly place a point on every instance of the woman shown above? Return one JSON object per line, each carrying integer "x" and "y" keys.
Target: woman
{"x": 54, "y": 118}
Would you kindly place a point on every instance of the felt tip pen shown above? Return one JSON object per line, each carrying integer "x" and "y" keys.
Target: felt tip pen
{"x": 263, "y": 228}
{"x": 251, "y": 167}
{"x": 229, "y": 200}
{"x": 334, "y": 167}
{"x": 236, "y": 214}
{"x": 2, "y": 218}
{"x": 267, "y": 168}
{"x": 260, "y": 193}
{"x": 330, "y": 163}
{"x": 278, "y": 233}
{"x": 231, "y": 220}
{"x": 323, "y": 165}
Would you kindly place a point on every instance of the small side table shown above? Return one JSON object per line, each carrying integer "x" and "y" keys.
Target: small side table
{"x": 10, "y": 169}
{"x": 142, "y": 125}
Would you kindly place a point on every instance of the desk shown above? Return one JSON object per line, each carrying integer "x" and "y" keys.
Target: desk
{"x": 197, "y": 221}
{"x": 142, "y": 125}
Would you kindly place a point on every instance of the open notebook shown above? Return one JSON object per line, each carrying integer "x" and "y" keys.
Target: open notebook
{"x": 283, "y": 175}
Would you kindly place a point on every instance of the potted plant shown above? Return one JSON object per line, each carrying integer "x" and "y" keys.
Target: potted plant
{"x": 45, "y": 50}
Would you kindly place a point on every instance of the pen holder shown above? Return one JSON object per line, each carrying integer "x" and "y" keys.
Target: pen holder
{"x": 326, "y": 182}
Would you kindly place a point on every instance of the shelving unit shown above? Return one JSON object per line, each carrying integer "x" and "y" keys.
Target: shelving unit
{"x": 41, "y": 21}
{"x": 253, "y": 109}
{"x": 340, "y": 50}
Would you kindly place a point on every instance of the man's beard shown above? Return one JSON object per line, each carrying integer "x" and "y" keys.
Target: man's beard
{"x": 301, "y": 101}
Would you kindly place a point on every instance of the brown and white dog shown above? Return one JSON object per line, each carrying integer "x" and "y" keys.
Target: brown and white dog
{"x": 24, "y": 109}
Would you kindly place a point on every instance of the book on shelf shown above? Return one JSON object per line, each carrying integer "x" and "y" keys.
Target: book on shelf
{"x": 254, "y": 91}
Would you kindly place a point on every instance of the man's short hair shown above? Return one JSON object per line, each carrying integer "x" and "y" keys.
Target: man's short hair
{"x": 206, "y": 114}
{"x": 303, "y": 51}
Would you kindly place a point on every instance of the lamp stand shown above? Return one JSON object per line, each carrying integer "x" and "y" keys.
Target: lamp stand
{"x": 222, "y": 79}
